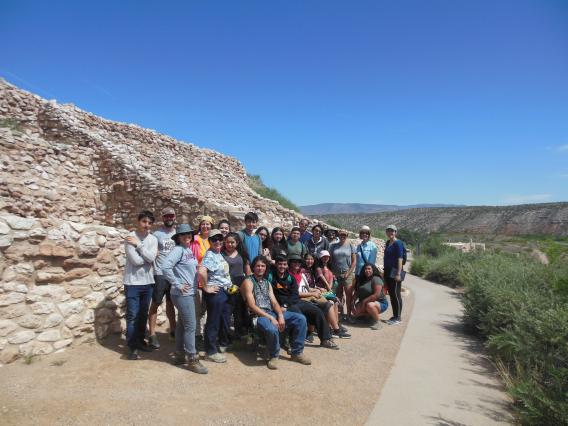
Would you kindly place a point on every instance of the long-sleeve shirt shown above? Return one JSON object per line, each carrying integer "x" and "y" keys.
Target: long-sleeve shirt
{"x": 366, "y": 253}
{"x": 139, "y": 269}
{"x": 180, "y": 268}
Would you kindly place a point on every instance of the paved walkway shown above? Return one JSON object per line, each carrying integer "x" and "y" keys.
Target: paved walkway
{"x": 441, "y": 375}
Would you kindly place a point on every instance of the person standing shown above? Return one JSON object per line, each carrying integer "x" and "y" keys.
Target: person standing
{"x": 270, "y": 319}
{"x": 394, "y": 255}
{"x": 141, "y": 249}
{"x": 214, "y": 274}
{"x": 252, "y": 242}
{"x": 343, "y": 261}
{"x": 162, "y": 286}
{"x": 180, "y": 268}
{"x": 366, "y": 251}
{"x": 305, "y": 235}
{"x": 294, "y": 245}
{"x": 317, "y": 242}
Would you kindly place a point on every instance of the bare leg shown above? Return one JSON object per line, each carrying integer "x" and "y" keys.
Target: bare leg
{"x": 373, "y": 310}
{"x": 332, "y": 317}
{"x": 152, "y": 317}
{"x": 349, "y": 299}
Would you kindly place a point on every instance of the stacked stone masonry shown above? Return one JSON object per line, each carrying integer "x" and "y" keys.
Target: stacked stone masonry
{"x": 71, "y": 184}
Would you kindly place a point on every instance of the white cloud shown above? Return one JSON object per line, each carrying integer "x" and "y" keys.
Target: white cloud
{"x": 563, "y": 148}
{"x": 529, "y": 198}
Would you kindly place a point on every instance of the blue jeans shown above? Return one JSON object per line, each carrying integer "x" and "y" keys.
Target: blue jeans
{"x": 138, "y": 299}
{"x": 295, "y": 324}
{"x": 217, "y": 325}
{"x": 185, "y": 325}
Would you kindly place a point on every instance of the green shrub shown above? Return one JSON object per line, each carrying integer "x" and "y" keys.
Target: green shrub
{"x": 419, "y": 266}
{"x": 256, "y": 183}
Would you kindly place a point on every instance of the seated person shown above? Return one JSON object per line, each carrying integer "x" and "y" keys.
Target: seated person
{"x": 270, "y": 319}
{"x": 286, "y": 291}
{"x": 368, "y": 292}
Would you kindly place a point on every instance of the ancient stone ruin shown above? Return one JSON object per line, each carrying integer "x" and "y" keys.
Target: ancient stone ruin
{"x": 71, "y": 186}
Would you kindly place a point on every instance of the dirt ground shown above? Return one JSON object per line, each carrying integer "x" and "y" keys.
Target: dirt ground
{"x": 95, "y": 384}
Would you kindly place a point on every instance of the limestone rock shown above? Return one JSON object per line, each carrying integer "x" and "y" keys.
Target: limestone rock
{"x": 42, "y": 308}
{"x": 89, "y": 244}
{"x": 62, "y": 343}
{"x": 10, "y": 354}
{"x": 53, "y": 250}
{"x": 74, "y": 321}
{"x": 71, "y": 307}
{"x": 30, "y": 321}
{"x": 35, "y": 348}
{"x": 7, "y": 327}
{"x": 52, "y": 274}
{"x": 13, "y": 311}
{"x": 11, "y": 298}
{"x": 17, "y": 222}
{"x": 53, "y": 320}
{"x": 21, "y": 337}
{"x": 49, "y": 336}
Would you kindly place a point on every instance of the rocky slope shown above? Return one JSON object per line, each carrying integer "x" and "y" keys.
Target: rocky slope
{"x": 528, "y": 219}
{"x": 71, "y": 184}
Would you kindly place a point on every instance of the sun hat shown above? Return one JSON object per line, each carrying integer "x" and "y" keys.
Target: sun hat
{"x": 324, "y": 253}
{"x": 365, "y": 228}
{"x": 394, "y": 228}
{"x": 181, "y": 229}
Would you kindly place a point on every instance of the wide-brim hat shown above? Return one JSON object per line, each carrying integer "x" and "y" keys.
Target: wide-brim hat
{"x": 214, "y": 233}
{"x": 295, "y": 258}
{"x": 394, "y": 228}
{"x": 183, "y": 229}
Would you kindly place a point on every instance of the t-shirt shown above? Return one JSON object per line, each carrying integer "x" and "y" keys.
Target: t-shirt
{"x": 368, "y": 288}
{"x": 341, "y": 257}
{"x": 202, "y": 245}
{"x": 236, "y": 268}
{"x": 252, "y": 244}
{"x": 217, "y": 269}
{"x": 165, "y": 245}
{"x": 285, "y": 289}
{"x": 298, "y": 249}
{"x": 326, "y": 272}
{"x": 369, "y": 250}
{"x": 305, "y": 237}
{"x": 393, "y": 252}
{"x": 315, "y": 248}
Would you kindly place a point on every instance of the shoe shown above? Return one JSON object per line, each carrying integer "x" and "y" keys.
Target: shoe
{"x": 302, "y": 359}
{"x": 341, "y": 333}
{"x": 272, "y": 363}
{"x": 133, "y": 354}
{"x": 195, "y": 365}
{"x": 216, "y": 357}
{"x": 351, "y": 320}
{"x": 376, "y": 325}
{"x": 391, "y": 319}
{"x": 144, "y": 347}
{"x": 329, "y": 344}
{"x": 153, "y": 342}
{"x": 224, "y": 349}
{"x": 342, "y": 328}
{"x": 179, "y": 358}
{"x": 394, "y": 322}
{"x": 310, "y": 338}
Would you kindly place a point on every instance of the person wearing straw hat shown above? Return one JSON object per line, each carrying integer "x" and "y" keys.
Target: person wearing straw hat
{"x": 180, "y": 269}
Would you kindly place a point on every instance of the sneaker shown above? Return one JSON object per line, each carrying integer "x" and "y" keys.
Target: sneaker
{"x": 351, "y": 320}
{"x": 391, "y": 319}
{"x": 341, "y": 333}
{"x": 376, "y": 325}
{"x": 216, "y": 357}
{"x": 195, "y": 365}
{"x": 310, "y": 338}
{"x": 302, "y": 359}
{"x": 179, "y": 358}
{"x": 224, "y": 349}
{"x": 144, "y": 347}
{"x": 153, "y": 342}
{"x": 394, "y": 322}
{"x": 342, "y": 328}
{"x": 133, "y": 354}
{"x": 329, "y": 344}
{"x": 272, "y": 363}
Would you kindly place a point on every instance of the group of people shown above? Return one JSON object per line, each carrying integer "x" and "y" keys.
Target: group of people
{"x": 285, "y": 286}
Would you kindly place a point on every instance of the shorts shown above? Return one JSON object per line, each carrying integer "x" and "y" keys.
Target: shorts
{"x": 161, "y": 288}
{"x": 383, "y": 305}
{"x": 343, "y": 282}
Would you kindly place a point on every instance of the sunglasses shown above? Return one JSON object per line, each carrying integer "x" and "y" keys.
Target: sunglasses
{"x": 216, "y": 239}
{"x": 343, "y": 235}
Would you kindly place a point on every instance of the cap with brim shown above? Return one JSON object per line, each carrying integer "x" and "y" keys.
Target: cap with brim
{"x": 183, "y": 229}
{"x": 324, "y": 253}
{"x": 167, "y": 211}
{"x": 214, "y": 233}
{"x": 342, "y": 232}
{"x": 294, "y": 258}
{"x": 365, "y": 228}
{"x": 392, "y": 227}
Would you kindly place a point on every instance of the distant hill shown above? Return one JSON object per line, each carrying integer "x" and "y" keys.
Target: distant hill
{"x": 525, "y": 219}
{"x": 356, "y": 208}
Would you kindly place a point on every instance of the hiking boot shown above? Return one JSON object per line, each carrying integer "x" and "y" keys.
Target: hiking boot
{"x": 272, "y": 363}
{"x": 376, "y": 325}
{"x": 329, "y": 344}
{"x": 133, "y": 354}
{"x": 144, "y": 347}
{"x": 179, "y": 358}
{"x": 195, "y": 365}
{"x": 341, "y": 333}
{"x": 153, "y": 342}
{"x": 216, "y": 357}
{"x": 302, "y": 359}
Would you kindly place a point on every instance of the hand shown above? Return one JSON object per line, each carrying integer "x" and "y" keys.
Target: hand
{"x": 185, "y": 289}
{"x": 281, "y": 323}
{"x": 316, "y": 292}
{"x": 397, "y": 278}
{"x": 133, "y": 241}
{"x": 266, "y": 253}
{"x": 274, "y": 322}
{"x": 211, "y": 289}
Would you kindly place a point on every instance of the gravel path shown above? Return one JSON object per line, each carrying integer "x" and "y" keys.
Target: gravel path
{"x": 93, "y": 384}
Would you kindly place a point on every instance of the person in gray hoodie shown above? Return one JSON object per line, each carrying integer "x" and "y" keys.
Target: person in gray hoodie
{"x": 180, "y": 269}
{"x": 141, "y": 249}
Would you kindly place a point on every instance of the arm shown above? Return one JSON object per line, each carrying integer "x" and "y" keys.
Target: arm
{"x": 376, "y": 293}
{"x": 171, "y": 260}
{"x": 150, "y": 252}
{"x": 353, "y": 264}
{"x": 247, "y": 268}
{"x": 202, "y": 271}
{"x": 276, "y": 307}
{"x": 399, "y": 261}
{"x": 246, "y": 292}
{"x": 132, "y": 255}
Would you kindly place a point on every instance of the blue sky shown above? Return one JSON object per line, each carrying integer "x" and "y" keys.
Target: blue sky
{"x": 396, "y": 102}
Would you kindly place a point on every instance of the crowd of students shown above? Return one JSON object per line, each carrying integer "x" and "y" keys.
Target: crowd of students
{"x": 285, "y": 286}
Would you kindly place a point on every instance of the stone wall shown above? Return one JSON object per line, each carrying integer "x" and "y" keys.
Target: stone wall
{"x": 71, "y": 185}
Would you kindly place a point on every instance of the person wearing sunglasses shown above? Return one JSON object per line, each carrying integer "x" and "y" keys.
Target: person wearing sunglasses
{"x": 393, "y": 261}
{"x": 214, "y": 273}
{"x": 366, "y": 251}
